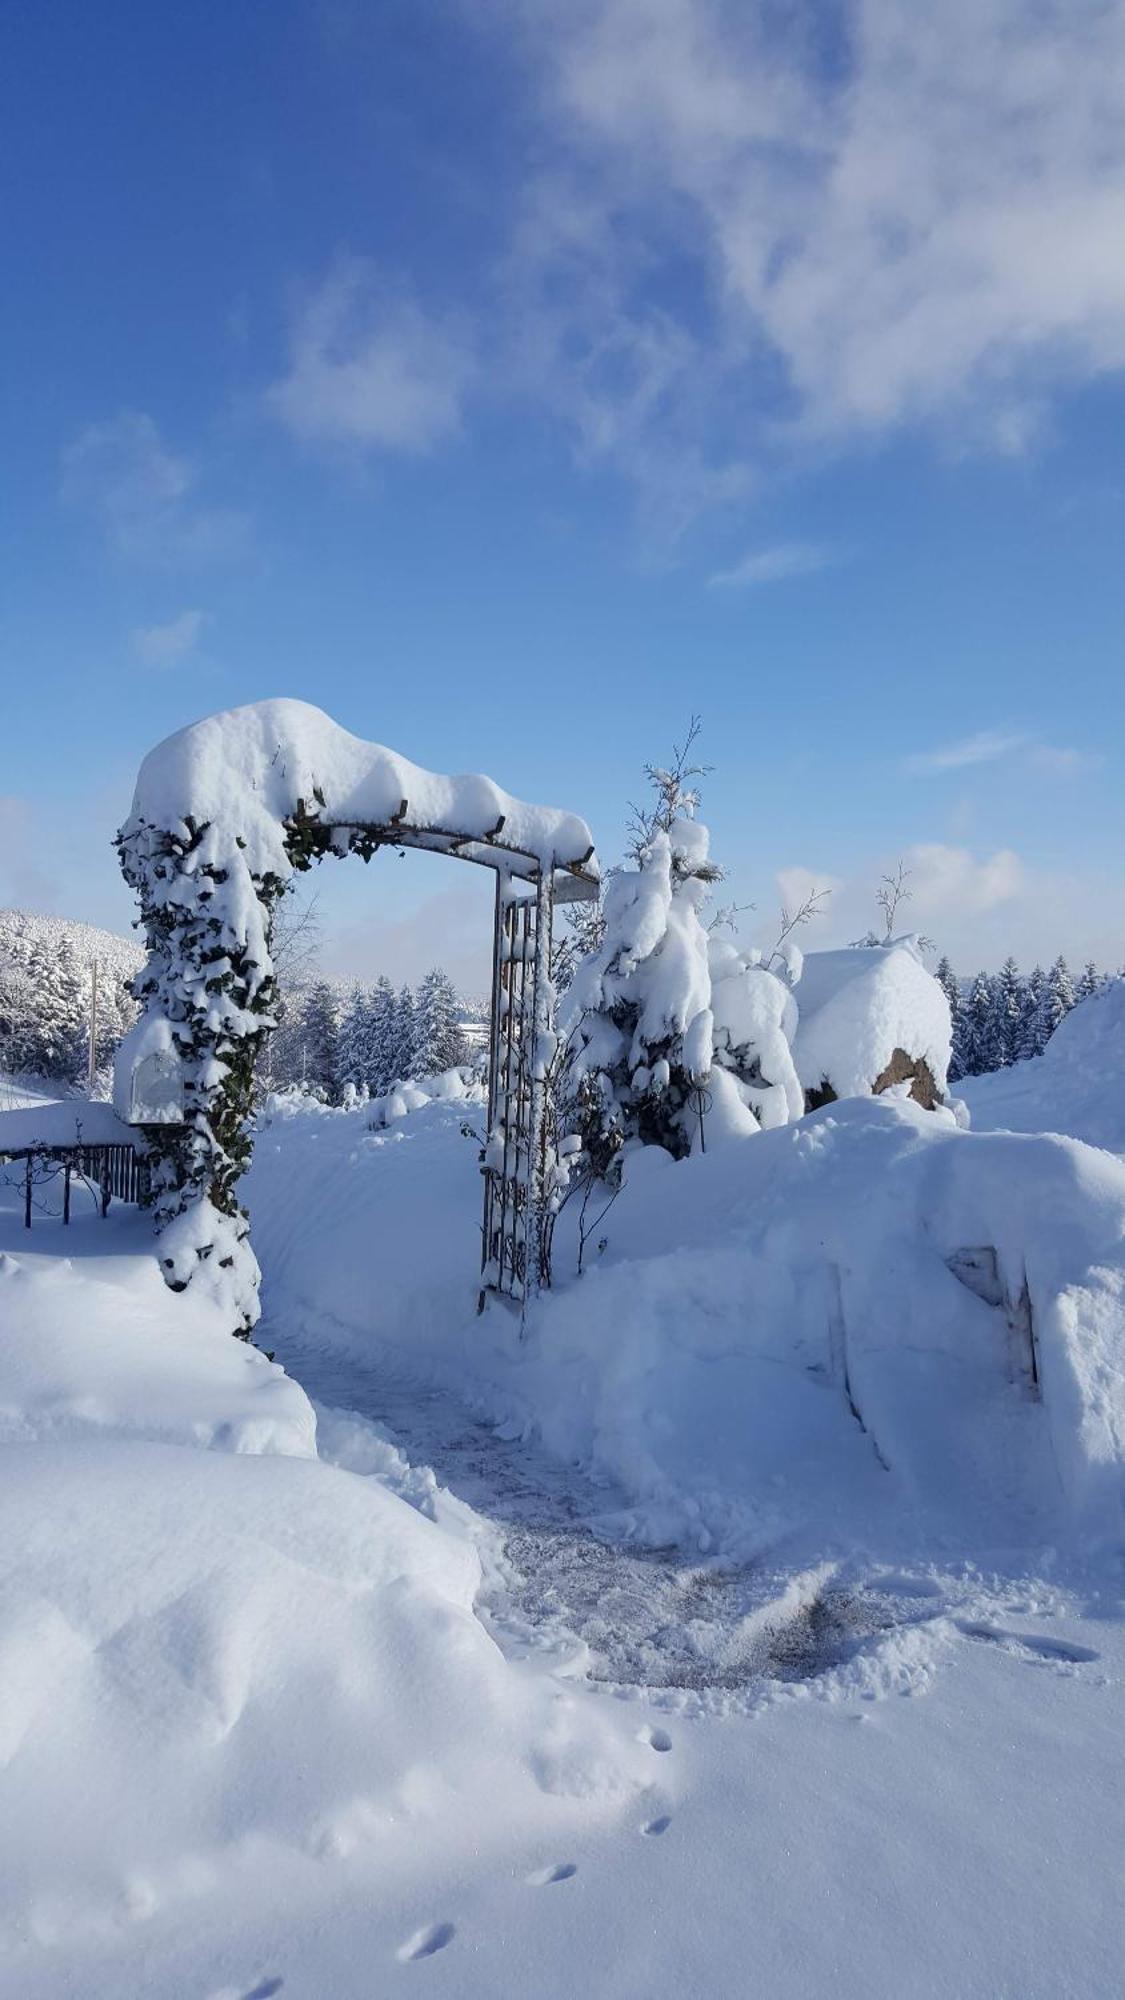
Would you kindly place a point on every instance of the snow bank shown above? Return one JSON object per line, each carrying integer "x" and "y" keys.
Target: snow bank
{"x": 859, "y": 1005}
{"x": 222, "y": 1669}
{"x": 96, "y": 1344}
{"x": 1076, "y": 1086}
{"x": 864, "y": 1320}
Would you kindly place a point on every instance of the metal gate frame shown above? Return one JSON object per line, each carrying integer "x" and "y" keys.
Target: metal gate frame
{"x": 519, "y": 1154}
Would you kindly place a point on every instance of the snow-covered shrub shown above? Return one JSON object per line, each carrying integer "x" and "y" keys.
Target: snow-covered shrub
{"x": 638, "y": 1010}
{"x": 755, "y": 1020}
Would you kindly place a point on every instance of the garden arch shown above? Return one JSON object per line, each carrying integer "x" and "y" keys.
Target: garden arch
{"x": 223, "y": 815}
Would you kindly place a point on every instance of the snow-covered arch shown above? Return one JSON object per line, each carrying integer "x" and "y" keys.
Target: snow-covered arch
{"x": 223, "y": 814}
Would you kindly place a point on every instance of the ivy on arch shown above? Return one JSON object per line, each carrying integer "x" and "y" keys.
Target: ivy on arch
{"x": 223, "y": 816}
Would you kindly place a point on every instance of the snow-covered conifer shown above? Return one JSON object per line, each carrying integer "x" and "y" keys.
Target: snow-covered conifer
{"x": 977, "y": 1026}
{"x": 1008, "y": 1015}
{"x": 639, "y": 1014}
{"x": 947, "y": 980}
{"x": 351, "y": 1044}
{"x": 1058, "y": 997}
{"x": 381, "y": 1032}
{"x": 1031, "y": 1030}
{"x": 320, "y": 1036}
{"x": 1090, "y": 982}
{"x": 400, "y": 1057}
{"x": 438, "y": 1042}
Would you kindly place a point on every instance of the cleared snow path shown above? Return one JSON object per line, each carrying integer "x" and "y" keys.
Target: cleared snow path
{"x": 559, "y": 1572}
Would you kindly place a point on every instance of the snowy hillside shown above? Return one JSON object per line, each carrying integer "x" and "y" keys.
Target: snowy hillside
{"x": 118, "y": 957}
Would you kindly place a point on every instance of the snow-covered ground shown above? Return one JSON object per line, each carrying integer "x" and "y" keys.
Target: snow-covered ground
{"x": 751, "y": 1620}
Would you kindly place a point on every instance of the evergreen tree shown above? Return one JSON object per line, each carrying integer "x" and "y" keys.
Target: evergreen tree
{"x": 977, "y": 1025}
{"x": 1008, "y": 1017}
{"x": 381, "y": 1036}
{"x": 1032, "y": 1028}
{"x": 400, "y": 1060}
{"x": 1058, "y": 996}
{"x": 1090, "y": 982}
{"x": 320, "y": 1035}
{"x": 640, "y": 1021}
{"x": 947, "y": 980}
{"x": 351, "y": 1045}
{"x": 438, "y": 1042}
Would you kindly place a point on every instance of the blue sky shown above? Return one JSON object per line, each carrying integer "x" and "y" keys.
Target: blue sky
{"x": 513, "y": 378}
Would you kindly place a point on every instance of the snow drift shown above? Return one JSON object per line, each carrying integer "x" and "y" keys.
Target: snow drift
{"x": 866, "y": 1317}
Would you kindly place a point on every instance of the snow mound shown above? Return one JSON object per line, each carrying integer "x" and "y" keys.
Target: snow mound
{"x": 229, "y": 1667}
{"x": 861, "y": 1320}
{"x": 244, "y": 772}
{"x": 859, "y": 1005}
{"x": 1076, "y": 1086}
{"x": 97, "y": 1345}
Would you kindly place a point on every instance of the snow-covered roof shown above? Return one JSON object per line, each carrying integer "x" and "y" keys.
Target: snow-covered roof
{"x": 859, "y": 1005}
{"x": 244, "y": 772}
{"x": 69, "y": 1121}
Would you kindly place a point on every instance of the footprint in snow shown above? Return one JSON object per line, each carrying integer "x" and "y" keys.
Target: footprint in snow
{"x": 657, "y": 1739}
{"x": 559, "y": 1871}
{"x": 1033, "y": 1644}
{"x": 424, "y": 1943}
{"x": 660, "y": 1825}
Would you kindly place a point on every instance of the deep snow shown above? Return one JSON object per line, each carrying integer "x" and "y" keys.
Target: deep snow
{"x": 850, "y": 1731}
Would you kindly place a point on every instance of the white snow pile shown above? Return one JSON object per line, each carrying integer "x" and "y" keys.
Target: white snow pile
{"x": 863, "y": 1322}
{"x": 225, "y": 1664}
{"x": 1076, "y": 1086}
{"x": 243, "y": 773}
{"x": 755, "y": 1018}
{"x": 858, "y": 1005}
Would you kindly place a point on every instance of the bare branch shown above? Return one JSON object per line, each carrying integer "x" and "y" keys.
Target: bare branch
{"x": 791, "y": 920}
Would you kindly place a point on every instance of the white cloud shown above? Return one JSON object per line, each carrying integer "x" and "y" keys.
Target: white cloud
{"x": 978, "y": 908}
{"x": 369, "y": 368}
{"x": 774, "y": 565}
{"x": 987, "y": 746}
{"x": 991, "y": 746}
{"x": 142, "y": 495}
{"x": 851, "y": 221}
{"x": 160, "y": 645}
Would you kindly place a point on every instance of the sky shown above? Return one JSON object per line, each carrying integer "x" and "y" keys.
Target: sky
{"x": 517, "y": 378}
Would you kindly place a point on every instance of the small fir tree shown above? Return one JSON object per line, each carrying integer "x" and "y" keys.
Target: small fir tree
{"x": 321, "y": 1035}
{"x": 438, "y": 1042}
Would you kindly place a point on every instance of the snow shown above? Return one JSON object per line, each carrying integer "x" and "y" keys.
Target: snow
{"x": 68, "y": 1121}
{"x": 243, "y": 772}
{"x": 706, "y": 1362}
{"x": 1076, "y": 1086}
{"x": 753, "y": 1615}
{"x": 857, "y": 1006}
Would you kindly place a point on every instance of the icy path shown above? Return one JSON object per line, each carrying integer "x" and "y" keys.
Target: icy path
{"x": 560, "y": 1572}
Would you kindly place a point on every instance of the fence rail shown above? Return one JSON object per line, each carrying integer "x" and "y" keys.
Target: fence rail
{"x": 116, "y": 1170}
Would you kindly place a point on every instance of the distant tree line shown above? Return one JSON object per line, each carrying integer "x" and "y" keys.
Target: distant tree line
{"x": 362, "y": 1044}
{"x": 45, "y": 1008}
{"x": 1004, "y": 1017}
